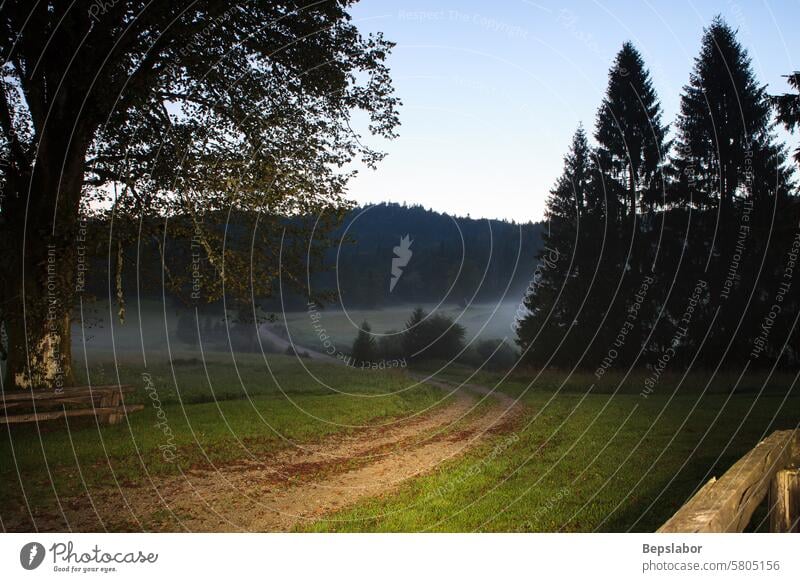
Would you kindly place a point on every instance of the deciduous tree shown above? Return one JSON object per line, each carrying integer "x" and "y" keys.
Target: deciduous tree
{"x": 202, "y": 119}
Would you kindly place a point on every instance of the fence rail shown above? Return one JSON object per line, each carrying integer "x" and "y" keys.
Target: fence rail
{"x": 769, "y": 470}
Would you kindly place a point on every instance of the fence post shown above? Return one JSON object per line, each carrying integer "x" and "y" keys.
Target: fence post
{"x": 784, "y": 501}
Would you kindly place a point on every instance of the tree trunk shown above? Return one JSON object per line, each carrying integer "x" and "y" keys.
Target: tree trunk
{"x": 38, "y": 320}
{"x": 39, "y": 287}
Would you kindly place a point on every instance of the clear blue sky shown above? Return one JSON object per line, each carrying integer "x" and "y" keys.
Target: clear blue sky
{"x": 492, "y": 91}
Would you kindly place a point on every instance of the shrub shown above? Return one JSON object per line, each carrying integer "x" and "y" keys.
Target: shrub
{"x": 432, "y": 336}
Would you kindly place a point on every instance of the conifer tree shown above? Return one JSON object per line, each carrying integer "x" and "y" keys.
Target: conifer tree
{"x": 699, "y": 276}
{"x": 364, "y": 345}
{"x": 731, "y": 171}
{"x": 632, "y": 150}
{"x": 788, "y": 106}
{"x": 630, "y": 135}
{"x": 555, "y": 293}
{"x": 412, "y": 339}
{"x": 725, "y": 138}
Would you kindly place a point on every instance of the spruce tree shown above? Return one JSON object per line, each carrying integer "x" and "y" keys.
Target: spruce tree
{"x": 364, "y": 345}
{"x": 556, "y": 291}
{"x": 632, "y": 150}
{"x": 630, "y": 135}
{"x": 725, "y": 132}
{"x": 732, "y": 173}
{"x": 788, "y": 106}
{"x": 412, "y": 339}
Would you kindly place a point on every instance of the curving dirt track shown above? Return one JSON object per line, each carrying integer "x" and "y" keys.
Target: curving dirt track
{"x": 297, "y": 485}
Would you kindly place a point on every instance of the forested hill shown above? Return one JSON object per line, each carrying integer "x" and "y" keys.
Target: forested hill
{"x": 450, "y": 259}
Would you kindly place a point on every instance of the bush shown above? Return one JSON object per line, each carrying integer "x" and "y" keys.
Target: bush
{"x": 432, "y": 337}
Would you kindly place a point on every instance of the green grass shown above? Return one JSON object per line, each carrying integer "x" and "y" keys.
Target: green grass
{"x": 210, "y": 419}
{"x": 583, "y": 461}
{"x": 618, "y": 381}
{"x": 585, "y": 456}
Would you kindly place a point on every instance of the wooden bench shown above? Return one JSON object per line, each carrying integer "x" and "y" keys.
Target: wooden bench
{"x": 104, "y": 402}
{"x": 769, "y": 470}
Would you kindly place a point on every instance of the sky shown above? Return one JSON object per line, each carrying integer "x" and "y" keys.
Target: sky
{"x": 493, "y": 91}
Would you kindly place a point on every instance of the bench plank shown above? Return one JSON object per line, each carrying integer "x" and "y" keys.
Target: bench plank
{"x": 55, "y": 414}
{"x": 27, "y": 395}
{"x": 87, "y": 399}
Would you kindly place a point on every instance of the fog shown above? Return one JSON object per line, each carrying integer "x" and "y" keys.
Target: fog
{"x": 154, "y": 330}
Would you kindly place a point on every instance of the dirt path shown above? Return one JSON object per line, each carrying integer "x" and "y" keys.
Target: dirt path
{"x": 300, "y": 485}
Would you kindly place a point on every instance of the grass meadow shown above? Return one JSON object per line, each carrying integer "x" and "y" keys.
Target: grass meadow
{"x": 583, "y": 456}
{"x": 204, "y": 413}
{"x": 582, "y": 460}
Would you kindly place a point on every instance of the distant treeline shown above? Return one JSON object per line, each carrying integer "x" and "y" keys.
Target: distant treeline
{"x": 451, "y": 260}
{"x": 672, "y": 248}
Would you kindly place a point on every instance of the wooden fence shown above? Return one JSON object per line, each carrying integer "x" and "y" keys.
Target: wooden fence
{"x": 769, "y": 470}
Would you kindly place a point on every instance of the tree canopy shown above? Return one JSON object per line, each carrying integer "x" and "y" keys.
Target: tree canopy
{"x": 185, "y": 112}
{"x": 684, "y": 250}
